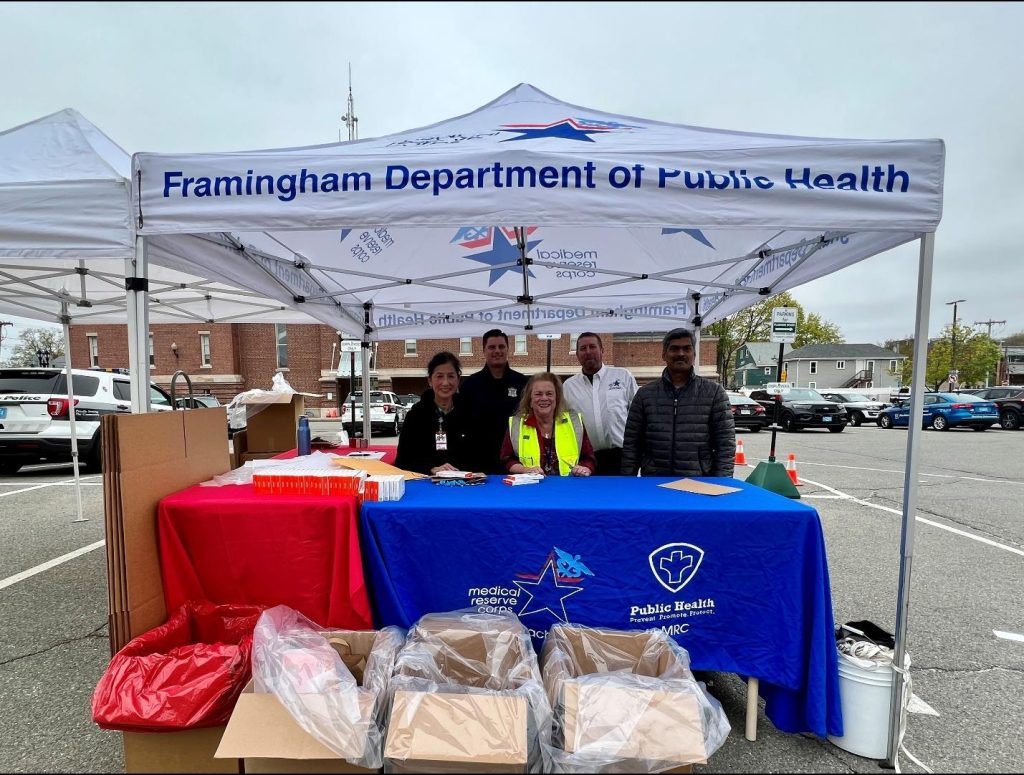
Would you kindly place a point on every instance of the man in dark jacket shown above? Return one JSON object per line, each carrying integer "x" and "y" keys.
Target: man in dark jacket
{"x": 681, "y": 424}
{"x": 492, "y": 395}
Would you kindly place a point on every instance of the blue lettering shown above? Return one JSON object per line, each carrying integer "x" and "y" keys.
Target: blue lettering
{"x": 397, "y": 169}
{"x": 171, "y": 180}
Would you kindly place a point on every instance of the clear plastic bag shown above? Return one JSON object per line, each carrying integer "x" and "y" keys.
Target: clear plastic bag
{"x": 468, "y": 685}
{"x": 333, "y": 683}
{"x": 626, "y": 701}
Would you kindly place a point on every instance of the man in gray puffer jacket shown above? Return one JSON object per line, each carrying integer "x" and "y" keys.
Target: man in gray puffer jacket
{"x": 681, "y": 424}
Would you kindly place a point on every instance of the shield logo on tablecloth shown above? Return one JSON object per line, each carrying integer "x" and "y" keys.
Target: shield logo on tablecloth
{"x": 674, "y": 565}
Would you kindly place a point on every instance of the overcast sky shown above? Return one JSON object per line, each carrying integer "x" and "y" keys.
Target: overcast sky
{"x": 224, "y": 76}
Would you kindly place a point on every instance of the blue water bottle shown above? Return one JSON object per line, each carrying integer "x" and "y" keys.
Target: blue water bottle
{"x": 304, "y": 442}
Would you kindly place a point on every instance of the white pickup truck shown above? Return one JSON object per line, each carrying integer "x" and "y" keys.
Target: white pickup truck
{"x": 387, "y": 413}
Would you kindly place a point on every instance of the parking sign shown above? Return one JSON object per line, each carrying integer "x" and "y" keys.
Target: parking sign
{"x": 784, "y": 325}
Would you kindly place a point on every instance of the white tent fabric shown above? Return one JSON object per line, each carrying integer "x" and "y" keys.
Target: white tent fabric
{"x": 622, "y": 220}
{"x": 66, "y": 233}
{"x": 536, "y": 214}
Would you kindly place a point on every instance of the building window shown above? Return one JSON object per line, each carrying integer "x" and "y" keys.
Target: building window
{"x": 840, "y": 365}
{"x": 152, "y": 355}
{"x": 892, "y": 366}
{"x": 281, "y": 335}
{"x": 410, "y": 347}
{"x": 572, "y": 342}
{"x": 871, "y": 367}
{"x": 768, "y": 370}
{"x": 870, "y": 384}
{"x": 520, "y": 344}
{"x": 204, "y": 350}
{"x": 94, "y": 349}
{"x": 466, "y": 345}
{"x": 814, "y": 367}
{"x": 812, "y": 385}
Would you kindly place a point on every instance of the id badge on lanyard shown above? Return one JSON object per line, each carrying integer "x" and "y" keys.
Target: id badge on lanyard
{"x": 440, "y": 438}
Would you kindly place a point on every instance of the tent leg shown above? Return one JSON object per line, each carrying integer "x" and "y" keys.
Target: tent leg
{"x": 910, "y": 488}
{"x": 66, "y": 321}
{"x": 136, "y": 281}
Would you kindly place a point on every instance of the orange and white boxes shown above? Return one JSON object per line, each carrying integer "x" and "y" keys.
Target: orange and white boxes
{"x": 626, "y": 701}
{"x": 286, "y": 480}
{"x": 317, "y": 699}
{"x": 467, "y": 697}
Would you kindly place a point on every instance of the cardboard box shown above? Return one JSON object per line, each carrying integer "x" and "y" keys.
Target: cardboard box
{"x": 595, "y": 650}
{"x": 271, "y": 425}
{"x": 435, "y": 732}
{"x": 470, "y": 657}
{"x": 264, "y": 736}
{"x": 191, "y": 750}
{"x": 146, "y": 457}
{"x": 651, "y": 725}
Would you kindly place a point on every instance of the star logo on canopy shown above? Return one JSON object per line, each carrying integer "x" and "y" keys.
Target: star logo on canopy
{"x": 697, "y": 234}
{"x": 503, "y": 251}
{"x": 565, "y": 129}
{"x": 546, "y": 594}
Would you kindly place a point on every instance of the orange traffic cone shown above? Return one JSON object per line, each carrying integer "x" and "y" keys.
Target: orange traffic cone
{"x": 791, "y": 470}
{"x": 741, "y": 456}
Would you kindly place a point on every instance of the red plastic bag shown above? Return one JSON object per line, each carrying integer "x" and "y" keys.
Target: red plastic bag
{"x": 186, "y": 673}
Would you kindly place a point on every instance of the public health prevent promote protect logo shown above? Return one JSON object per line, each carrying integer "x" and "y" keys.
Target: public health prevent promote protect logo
{"x": 674, "y": 565}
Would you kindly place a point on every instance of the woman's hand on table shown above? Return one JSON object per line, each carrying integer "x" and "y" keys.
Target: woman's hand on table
{"x": 580, "y": 471}
{"x": 443, "y": 467}
{"x": 526, "y": 469}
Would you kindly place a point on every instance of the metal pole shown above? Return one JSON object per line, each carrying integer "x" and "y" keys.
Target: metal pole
{"x": 136, "y": 286}
{"x": 549, "y": 356}
{"x": 910, "y": 477}
{"x": 778, "y": 403}
{"x": 65, "y": 320}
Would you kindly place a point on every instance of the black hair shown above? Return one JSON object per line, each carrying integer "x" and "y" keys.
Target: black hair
{"x": 494, "y": 332}
{"x": 676, "y": 333}
{"x": 441, "y": 359}
{"x": 589, "y": 333}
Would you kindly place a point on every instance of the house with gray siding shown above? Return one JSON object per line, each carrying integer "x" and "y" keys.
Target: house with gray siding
{"x": 820, "y": 366}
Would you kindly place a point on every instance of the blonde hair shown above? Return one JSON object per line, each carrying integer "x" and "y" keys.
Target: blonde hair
{"x": 525, "y": 408}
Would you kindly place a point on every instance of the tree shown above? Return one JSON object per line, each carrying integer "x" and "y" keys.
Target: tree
{"x": 32, "y": 339}
{"x": 977, "y": 358}
{"x": 1014, "y": 340}
{"x": 754, "y": 324}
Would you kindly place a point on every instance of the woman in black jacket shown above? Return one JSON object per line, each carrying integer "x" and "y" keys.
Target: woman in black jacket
{"x": 434, "y": 435}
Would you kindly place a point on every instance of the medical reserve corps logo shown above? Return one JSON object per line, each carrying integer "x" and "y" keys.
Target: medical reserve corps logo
{"x": 674, "y": 565}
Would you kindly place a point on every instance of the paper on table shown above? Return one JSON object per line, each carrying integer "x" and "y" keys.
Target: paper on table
{"x": 701, "y": 488}
{"x": 372, "y": 466}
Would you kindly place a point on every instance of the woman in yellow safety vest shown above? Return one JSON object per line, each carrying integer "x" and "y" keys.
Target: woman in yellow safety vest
{"x": 543, "y": 437}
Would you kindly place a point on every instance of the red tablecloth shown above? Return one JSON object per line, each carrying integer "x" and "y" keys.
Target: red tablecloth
{"x": 229, "y": 545}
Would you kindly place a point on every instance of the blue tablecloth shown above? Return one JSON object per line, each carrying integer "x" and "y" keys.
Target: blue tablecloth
{"x": 739, "y": 580}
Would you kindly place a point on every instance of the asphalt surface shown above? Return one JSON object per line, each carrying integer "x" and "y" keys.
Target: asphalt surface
{"x": 968, "y": 583}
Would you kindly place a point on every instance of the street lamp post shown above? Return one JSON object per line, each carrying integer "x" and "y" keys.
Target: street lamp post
{"x": 952, "y": 353}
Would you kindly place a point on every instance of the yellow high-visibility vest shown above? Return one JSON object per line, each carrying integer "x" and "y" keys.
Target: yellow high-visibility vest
{"x": 568, "y": 441}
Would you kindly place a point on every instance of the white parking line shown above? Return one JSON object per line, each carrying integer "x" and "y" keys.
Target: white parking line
{"x": 897, "y": 512}
{"x": 45, "y": 484}
{"x": 25, "y": 574}
{"x": 1009, "y": 635}
{"x": 939, "y": 476}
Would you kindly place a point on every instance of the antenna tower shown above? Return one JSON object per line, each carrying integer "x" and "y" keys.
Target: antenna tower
{"x": 349, "y": 119}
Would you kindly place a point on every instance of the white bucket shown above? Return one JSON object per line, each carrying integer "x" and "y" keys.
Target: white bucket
{"x": 866, "y": 698}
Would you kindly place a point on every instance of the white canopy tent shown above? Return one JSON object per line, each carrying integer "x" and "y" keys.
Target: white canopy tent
{"x": 68, "y": 249}
{"x": 536, "y": 215}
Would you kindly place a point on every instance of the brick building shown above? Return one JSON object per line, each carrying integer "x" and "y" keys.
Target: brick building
{"x": 226, "y": 358}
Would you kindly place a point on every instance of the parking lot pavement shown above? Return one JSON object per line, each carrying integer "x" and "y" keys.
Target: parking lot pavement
{"x": 967, "y": 584}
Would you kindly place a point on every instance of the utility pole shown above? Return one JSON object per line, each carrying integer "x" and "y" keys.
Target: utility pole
{"x": 989, "y": 323}
{"x": 349, "y": 119}
{"x": 954, "y": 377}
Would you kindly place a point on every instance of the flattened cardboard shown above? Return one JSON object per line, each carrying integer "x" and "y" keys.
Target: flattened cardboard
{"x": 490, "y": 730}
{"x": 700, "y": 488}
{"x": 190, "y": 750}
{"x": 656, "y": 725}
{"x": 146, "y": 457}
{"x": 372, "y": 466}
{"x": 273, "y": 427}
{"x": 263, "y": 734}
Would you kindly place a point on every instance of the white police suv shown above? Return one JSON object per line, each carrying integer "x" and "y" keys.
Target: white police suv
{"x": 35, "y": 417}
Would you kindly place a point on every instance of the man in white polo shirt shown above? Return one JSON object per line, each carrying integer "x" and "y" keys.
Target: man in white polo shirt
{"x": 602, "y": 394}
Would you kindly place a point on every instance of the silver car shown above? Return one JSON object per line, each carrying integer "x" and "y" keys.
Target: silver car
{"x": 860, "y": 408}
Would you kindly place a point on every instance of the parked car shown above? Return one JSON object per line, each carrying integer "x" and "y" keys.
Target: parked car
{"x": 408, "y": 400}
{"x": 1009, "y": 401}
{"x": 747, "y": 413}
{"x": 859, "y": 407}
{"x": 387, "y": 413}
{"x": 35, "y": 416}
{"x": 804, "y": 408}
{"x": 943, "y": 411}
{"x": 197, "y": 401}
